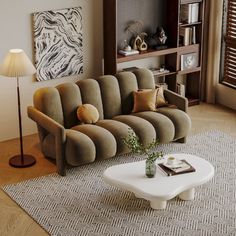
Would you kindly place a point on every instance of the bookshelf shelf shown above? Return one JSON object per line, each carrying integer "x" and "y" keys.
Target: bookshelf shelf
{"x": 183, "y": 72}
{"x": 146, "y": 54}
{"x": 165, "y": 74}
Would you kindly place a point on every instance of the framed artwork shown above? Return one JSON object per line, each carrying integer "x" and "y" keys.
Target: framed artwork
{"x": 189, "y": 61}
{"x": 58, "y": 43}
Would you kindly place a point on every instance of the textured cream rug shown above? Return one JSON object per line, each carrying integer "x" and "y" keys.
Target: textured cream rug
{"x": 83, "y": 204}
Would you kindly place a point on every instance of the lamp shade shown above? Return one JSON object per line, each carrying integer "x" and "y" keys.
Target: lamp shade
{"x": 16, "y": 64}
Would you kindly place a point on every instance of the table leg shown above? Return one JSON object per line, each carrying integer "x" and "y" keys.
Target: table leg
{"x": 137, "y": 196}
{"x": 187, "y": 195}
{"x": 157, "y": 204}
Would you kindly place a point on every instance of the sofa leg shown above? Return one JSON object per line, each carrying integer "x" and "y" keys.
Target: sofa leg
{"x": 61, "y": 171}
{"x": 182, "y": 140}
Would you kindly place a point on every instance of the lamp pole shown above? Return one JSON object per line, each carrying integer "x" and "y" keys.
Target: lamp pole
{"x": 20, "y": 122}
{"x": 21, "y": 160}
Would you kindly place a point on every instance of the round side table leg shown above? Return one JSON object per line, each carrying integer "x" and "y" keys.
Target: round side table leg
{"x": 158, "y": 205}
{"x": 187, "y": 195}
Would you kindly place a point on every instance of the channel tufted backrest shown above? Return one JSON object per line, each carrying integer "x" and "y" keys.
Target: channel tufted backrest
{"x": 132, "y": 81}
{"x": 70, "y": 100}
{"x": 111, "y": 95}
{"x": 145, "y": 78}
{"x": 111, "y": 98}
{"x": 48, "y": 101}
{"x": 127, "y": 83}
{"x": 90, "y": 93}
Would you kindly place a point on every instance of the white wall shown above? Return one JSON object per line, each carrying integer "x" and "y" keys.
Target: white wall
{"x": 16, "y": 32}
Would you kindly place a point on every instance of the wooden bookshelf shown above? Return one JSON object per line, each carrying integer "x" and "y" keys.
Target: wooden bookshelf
{"x": 116, "y": 15}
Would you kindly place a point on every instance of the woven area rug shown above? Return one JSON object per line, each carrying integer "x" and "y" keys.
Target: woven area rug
{"x": 83, "y": 204}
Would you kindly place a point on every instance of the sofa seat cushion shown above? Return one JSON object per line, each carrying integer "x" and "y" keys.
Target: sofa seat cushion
{"x": 48, "y": 146}
{"x": 103, "y": 140}
{"x": 79, "y": 148}
{"x": 180, "y": 120}
{"x": 119, "y": 131}
{"x": 142, "y": 128}
{"x": 165, "y": 130}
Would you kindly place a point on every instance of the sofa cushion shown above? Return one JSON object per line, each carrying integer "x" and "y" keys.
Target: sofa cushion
{"x": 145, "y": 100}
{"x": 127, "y": 83}
{"x": 165, "y": 130}
{"x": 80, "y": 149}
{"x": 91, "y": 94}
{"x": 180, "y": 119}
{"x": 48, "y": 101}
{"x": 103, "y": 140}
{"x": 87, "y": 114}
{"x": 160, "y": 100}
{"x": 142, "y": 128}
{"x": 110, "y": 92}
{"x": 145, "y": 78}
{"x": 70, "y": 100}
{"x": 119, "y": 130}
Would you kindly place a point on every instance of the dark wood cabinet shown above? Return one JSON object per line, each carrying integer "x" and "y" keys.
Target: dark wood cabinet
{"x": 166, "y": 13}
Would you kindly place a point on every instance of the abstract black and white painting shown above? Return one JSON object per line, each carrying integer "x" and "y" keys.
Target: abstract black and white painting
{"x": 58, "y": 43}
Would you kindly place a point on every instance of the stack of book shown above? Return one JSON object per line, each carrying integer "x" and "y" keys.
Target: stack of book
{"x": 189, "y": 13}
{"x": 128, "y": 53}
{"x": 182, "y": 167}
{"x": 187, "y": 35}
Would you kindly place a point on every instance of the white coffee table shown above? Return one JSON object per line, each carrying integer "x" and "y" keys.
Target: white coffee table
{"x": 157, "y": 190}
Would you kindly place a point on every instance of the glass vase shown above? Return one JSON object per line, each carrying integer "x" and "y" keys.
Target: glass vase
{"x": 150, "y": 168}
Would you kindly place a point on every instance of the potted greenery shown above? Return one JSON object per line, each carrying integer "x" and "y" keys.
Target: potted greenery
{"x": 136, "y": 147}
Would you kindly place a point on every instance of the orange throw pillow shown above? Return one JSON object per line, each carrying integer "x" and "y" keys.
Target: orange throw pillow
{"x": 145, "y": 100}
{"x": 160, "y": 100}
{"x": 87, "y": 114}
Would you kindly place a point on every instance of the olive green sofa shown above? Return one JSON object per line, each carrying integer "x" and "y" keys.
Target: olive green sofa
{"x": 63, "y": 138}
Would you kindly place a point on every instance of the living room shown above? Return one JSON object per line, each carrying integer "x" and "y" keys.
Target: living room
{"x": 213, "y": 125}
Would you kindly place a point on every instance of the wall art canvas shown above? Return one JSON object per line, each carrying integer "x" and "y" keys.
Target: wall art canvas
{"x": 58, "y": 43}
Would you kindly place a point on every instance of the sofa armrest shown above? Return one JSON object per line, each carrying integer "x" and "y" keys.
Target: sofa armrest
{"x": 57, "y": 130}
{"x": 174, "y": 98}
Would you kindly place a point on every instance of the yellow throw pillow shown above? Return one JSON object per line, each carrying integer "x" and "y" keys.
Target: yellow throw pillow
{"x": 87, "y": 114}
{"x": 160, "y": 100}
{"x": 145, "y": 100}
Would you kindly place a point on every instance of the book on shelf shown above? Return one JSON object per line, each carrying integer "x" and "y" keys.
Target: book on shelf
{"x": 189, "y": 13}
{"x": 194, "y": 12}
{"x": 186, "y": 34}
{"x": 194, "y": 40}
{"x": 130, "y": 68}
{"x": 181, "y": 89}
{"x": 182, "y": 168}
{"x": 128, "y": 53}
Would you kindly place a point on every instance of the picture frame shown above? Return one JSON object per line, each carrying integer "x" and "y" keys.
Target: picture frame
{"x": 189, "y": 61}
{"x": 58, "y": 43}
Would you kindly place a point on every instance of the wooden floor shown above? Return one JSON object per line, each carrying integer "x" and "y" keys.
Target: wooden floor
{"x": 14, "y": 221}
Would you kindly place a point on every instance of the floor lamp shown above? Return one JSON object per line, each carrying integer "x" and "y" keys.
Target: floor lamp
{"x": 16, "y": 64}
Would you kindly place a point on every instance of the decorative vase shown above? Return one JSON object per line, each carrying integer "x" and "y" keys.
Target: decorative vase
{"x": 150, "y": 168}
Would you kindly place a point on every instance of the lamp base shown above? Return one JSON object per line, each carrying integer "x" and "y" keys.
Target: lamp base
{"x": 17, "y": 162}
